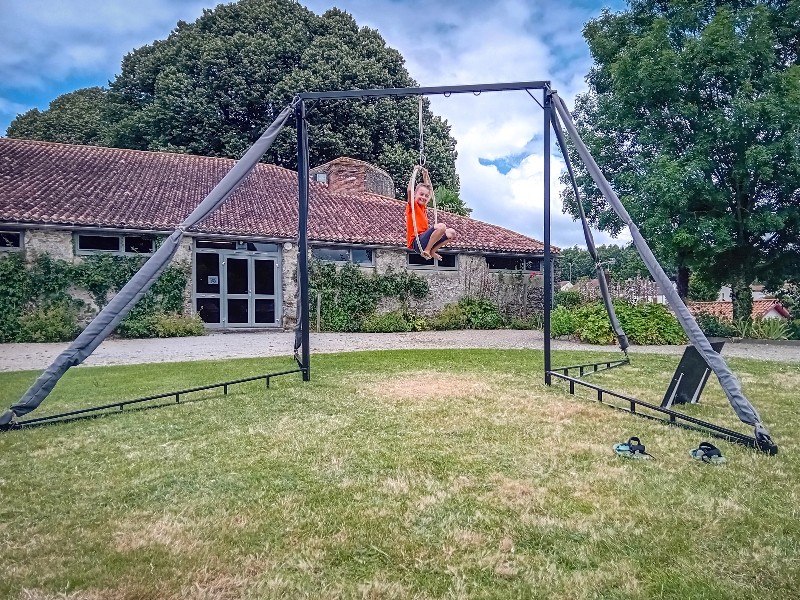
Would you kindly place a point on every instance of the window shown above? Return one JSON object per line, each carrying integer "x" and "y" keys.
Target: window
{"x": 345, "y": 254}
{"x": 10, "y": 240}
{"x": 231, "y": 245}
{"x": 115, "y": 244}
{"x": 448, "y": 261}
{"x": 526, "y": 264}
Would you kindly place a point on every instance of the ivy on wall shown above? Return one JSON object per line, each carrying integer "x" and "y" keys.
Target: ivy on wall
{"x": 349, "y": 298}
{"x": 36, "y": 304}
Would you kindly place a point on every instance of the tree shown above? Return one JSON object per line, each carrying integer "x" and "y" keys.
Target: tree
{"x": 75, "y": 118}
{"x": 214, "y": 85}
{"x": 693, "y": 113}
{"x": 448, "y": 200}
{"x": 702, "y": 291}
{"x": 621, "y": 262}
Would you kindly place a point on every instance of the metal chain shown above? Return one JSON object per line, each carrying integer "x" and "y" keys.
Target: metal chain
{"x": 421, "y": 136}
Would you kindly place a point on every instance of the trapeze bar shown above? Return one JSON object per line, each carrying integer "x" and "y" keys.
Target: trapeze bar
{"x": 427, "y": 91}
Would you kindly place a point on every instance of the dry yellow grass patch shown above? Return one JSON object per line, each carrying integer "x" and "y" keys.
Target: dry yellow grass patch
{"x": 466, "y": 538}
{"x": 379, "y": 589}
{"x": 170, "y": 531}
{"x": 516, "y": 493}
{"x": 427, "y": 385}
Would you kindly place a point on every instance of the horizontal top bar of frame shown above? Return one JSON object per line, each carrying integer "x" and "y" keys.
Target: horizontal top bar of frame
{"x": 427, "y": 91}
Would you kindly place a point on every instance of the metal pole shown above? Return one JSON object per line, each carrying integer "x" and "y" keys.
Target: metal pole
{"x": 548, "y": 268}
{"x": 302, "y": 244}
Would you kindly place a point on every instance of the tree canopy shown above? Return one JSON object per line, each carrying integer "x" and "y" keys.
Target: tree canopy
{"x": 214, "y": 85}
{"x": 621, "y": 262}
{"x": 693, "y": 113}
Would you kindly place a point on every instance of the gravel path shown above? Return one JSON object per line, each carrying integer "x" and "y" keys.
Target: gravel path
{"x": 17, "y": 357}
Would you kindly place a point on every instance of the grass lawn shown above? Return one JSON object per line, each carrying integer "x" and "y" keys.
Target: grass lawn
{"x": 402, "y": 474}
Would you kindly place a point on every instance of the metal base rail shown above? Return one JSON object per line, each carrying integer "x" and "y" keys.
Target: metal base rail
{"x": 87, "y": 413}
{"x": 674, "y": 418}
{"x": 594, "y": 367}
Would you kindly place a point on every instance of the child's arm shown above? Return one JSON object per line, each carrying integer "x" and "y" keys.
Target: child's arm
{"x": 411, "y": 183}
{"x": 426, "y": 177}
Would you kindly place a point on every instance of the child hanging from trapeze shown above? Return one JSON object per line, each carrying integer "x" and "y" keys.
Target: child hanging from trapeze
{"x": 423, "y": 240}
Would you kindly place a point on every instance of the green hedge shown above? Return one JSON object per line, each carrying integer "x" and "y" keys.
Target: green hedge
{"x": 644, "y": 324}
{"x": 36, "y": 306}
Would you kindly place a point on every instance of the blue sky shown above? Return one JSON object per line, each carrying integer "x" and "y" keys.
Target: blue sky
{"x": 50, "y": 47}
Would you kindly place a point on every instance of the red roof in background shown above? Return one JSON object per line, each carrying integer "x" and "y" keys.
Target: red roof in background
{"x": 63, "y": 184}
{"x": 724, "y": 310}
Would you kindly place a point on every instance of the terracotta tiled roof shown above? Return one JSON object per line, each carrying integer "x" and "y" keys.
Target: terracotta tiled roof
{"x": 49, "y": 183}
{"x": 724, "y": 310}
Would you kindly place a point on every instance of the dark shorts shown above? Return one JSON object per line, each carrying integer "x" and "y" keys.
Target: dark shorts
{"x": 424, "y": 238}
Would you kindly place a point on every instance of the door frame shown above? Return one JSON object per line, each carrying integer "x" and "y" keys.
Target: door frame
{"x": 240, "y": 252}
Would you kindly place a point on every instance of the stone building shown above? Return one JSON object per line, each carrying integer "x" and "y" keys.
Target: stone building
{"x": 71, "y": 201}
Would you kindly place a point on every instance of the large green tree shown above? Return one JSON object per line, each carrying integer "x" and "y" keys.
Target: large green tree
{"x": 693, "y": 113}
{"x": 214, "y": 85}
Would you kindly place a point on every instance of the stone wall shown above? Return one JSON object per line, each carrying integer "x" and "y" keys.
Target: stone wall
{"x": 517, "y": 294}
{"x": 289, "y": 286}
{"x": 57, "y": 243}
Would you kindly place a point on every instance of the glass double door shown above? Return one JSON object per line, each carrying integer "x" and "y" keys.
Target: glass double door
{"x": 234, "y": 290}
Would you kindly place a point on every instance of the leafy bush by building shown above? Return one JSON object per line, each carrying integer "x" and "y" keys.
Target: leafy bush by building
{"x": 391, "y": 322}
{"x": 649, "y": 323}
{"x": 713, "y": 326}
{"x": 349, "y": 298}
{"x": 592, "y": 324}
{"x": 535, "y": 322}
{"x": 36, "y": 305}
{"x": 562, "y": 322}
{"x": 568, "y": 299}
{"x": 645, "y": 323}
{"x": 469, "y": 313}
{"x": 52, "y": 322}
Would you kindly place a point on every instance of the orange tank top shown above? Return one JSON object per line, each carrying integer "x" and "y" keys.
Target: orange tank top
{"x": 422, "y": 221}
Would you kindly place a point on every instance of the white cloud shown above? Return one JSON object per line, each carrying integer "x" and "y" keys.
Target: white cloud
{"x": 47, "y": 41}
{"x": 45, "y": 44}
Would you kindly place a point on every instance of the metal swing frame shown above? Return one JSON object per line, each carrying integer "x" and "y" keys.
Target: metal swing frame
{"x": 303, "y": 338}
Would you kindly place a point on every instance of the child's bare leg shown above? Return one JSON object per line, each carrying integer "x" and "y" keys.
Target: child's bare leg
{"x": 451, "y": 236}
{"x": 437, "y": 234}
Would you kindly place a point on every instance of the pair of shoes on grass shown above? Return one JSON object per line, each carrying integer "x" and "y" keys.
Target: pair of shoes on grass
{"x": 705, "y": 452}
{"x": 708, "y": 453}
{"x": 633, "y": 448}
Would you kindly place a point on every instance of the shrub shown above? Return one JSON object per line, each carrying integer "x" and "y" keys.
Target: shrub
{"x": 568, "y": 299}
{"x": 388, "y": 323}
{"x": 533, "y": 322}
{"x": 14, "y": 291}
{"x": 481, "y": 313}
{"x": 592, "y": 324}
{"x": 794, "y": 330}
{"x": 649, "y": 323}
{"x": 56, "y": 322}
{"x": 562, "y": 322}
{"x": 162, "y": 325}
{"x": 138, "y": 326}
{"x": 450, "y": 317}
{"x": 714, "y": 326}
{"x": 349, "y": 298}
{"x": 770, "y": 329}
{"x": 177, "y": 325}
{"x": 469, "y": 313}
